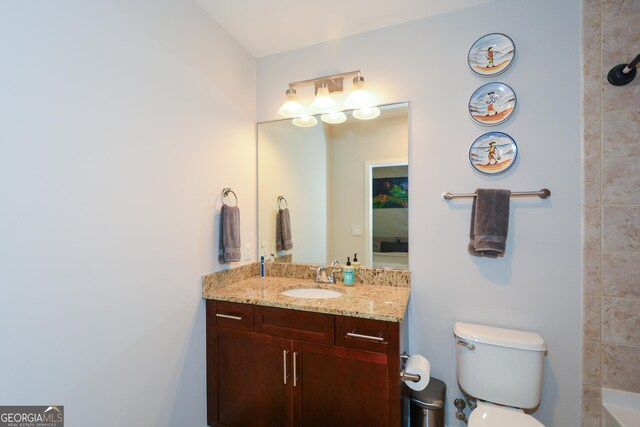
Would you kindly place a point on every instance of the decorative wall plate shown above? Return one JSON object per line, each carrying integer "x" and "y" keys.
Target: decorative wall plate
{"x": 491, "y": 55}
{"x": 493, "y": 153}
{"x": 492, "y": 104}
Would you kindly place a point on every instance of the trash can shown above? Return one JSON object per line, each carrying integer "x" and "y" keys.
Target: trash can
{"x": 427, "y": 406}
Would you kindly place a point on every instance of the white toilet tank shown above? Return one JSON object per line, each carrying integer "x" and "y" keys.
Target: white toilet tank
{"x": 505, "y": 366}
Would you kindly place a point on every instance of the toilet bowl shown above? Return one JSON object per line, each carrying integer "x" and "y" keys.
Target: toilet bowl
{"x": 501, "y": 369}
{"x": 490, "y": 415}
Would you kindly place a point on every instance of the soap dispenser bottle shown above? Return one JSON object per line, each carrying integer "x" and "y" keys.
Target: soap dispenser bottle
{"x": 355, "y": 262}
{"x": 348, "y": 273}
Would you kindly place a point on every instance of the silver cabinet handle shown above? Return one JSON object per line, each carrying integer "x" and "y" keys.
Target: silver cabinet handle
{"x": 295, "y": 369}
{"x": 228, "y": 316}
{"x": 364, "y": 337}
{"x": 466, "y": 344}
{"x": 284, "y": 364}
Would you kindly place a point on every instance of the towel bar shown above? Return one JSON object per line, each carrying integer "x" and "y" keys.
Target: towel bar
{"x": 544, "y": 193}
{"x": 280, "y": 200}
{"x": 225, "y": 193}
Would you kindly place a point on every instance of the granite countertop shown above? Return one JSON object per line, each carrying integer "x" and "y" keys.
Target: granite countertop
{"x": 379, "y": 302}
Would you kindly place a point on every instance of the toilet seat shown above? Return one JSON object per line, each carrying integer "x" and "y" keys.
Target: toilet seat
{"x": 490, "y": 415}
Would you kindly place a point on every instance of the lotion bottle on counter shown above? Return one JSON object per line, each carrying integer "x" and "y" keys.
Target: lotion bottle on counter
{"x": 348, "y": 273}
{"x": 355, "y": 262}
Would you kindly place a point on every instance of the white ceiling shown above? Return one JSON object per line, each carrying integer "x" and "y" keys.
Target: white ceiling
{"x": 265, "y": 27}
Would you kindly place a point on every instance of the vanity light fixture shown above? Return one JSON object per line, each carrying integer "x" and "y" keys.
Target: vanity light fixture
{"x": 291, "y": 107}
{"x": 305, "y": 121}
{"x": 366, "y": 113}
{"x": 334, "y": 118}
{"x": 323, "y": 103}
{"x": 359, "y": 100}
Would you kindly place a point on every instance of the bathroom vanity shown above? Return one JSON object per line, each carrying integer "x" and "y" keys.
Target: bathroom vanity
{"x": 279, "y": 361}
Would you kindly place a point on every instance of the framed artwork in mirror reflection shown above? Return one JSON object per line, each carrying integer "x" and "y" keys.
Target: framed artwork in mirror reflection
{"x": 391, "y": 192}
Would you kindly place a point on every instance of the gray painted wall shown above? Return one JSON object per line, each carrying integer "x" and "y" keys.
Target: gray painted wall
{"x": 537, "y": 285}
{"x": 121, "y": 123}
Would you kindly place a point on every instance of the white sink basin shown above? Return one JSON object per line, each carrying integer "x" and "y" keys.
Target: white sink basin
{"x": 312, "y": 293}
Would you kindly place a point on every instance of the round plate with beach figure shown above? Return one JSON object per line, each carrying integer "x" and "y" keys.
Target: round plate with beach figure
{"x": 492, "y": 104}
{"x": 491, "y": 55}
{"x": 493, "y": 153}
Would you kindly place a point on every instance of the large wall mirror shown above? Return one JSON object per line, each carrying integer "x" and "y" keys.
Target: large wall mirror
{"x": 345, "y": 186}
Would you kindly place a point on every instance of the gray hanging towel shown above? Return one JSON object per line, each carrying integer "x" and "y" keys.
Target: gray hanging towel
{"x": 283, "y": 230}
{"x": 489, "y": 223}
{"x": 229, "y": 234}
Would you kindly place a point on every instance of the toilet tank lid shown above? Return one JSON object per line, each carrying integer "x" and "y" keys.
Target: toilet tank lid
{"x": 500, "y": 336}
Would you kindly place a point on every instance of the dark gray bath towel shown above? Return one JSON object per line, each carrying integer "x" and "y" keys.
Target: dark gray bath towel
{"x": 229, "y": 234}
{"x": 283, "y": 230}
{"x": 489, "y": 223}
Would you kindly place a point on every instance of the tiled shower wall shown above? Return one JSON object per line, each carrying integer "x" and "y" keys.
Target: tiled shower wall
{"x": 611, "y": 323}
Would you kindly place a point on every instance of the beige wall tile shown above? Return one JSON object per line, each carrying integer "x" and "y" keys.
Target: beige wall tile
{"x": 620, "y": 274}
{"x": 621, "y": 180}
{"x": 621, "y": 320}
{"x": 591, "y": 363}
{"x": 592, "y": 87}
{"x": 592, "y": 182}
{"x": 620, "y": 97}
{"x": 592, "y": 228}
{"x": 591, "y": 406}
{"x": 612, "y": 9}
{"x": 621, "y": 228}
{"x": 592, "y": 273}
{"x": 591, "y": 55}
{"x": 620, "y": 40}
{"x": 592, "y": 136}
{"x": 621, "y": 367}
{"x": 592, "y": 318}
{"x": 591, "y": 15}
{"x": 611, "y": 177}
{"x": 621, "y": 130}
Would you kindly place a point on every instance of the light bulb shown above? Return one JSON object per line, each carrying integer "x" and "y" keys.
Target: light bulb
{"x": 334, "y": 118}
{"x": 305, "y": 121}
{"x": 366, "y": 113}
{"x": 359, "y": 98}
{"x": 323, "y": 104}
{"x": 291, "y": 106}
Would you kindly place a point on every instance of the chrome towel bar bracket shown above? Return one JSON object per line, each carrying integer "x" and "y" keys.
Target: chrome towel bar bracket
{"x": 280, "y": 200}
{"x": 225, "y": 193}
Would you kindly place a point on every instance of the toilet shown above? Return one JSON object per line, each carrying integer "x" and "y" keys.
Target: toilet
{"x": 502, "y": 370}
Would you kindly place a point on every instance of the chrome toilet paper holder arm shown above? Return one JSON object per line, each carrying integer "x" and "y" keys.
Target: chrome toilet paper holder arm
{"x": 407, "y": 376}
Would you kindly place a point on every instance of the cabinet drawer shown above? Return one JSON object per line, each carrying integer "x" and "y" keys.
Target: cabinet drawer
{"x": 230, "y": 315}
{"x": 299, "y": 325}
{"x": 365, "y": 334}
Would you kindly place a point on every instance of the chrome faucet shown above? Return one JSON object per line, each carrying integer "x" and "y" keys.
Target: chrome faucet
{"x": 321, "y": 273}
{"x": 332, "y": 278}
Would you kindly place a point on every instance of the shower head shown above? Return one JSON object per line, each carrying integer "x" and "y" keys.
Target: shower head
{"x": 623, "y": 74}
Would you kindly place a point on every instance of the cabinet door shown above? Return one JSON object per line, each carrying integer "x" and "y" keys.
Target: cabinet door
{"x": 250, "y": 383}
{"x": 340, "y": 387}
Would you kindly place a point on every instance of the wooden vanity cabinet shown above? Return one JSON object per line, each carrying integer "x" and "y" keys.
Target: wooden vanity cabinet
{"x": 295, "y": 368}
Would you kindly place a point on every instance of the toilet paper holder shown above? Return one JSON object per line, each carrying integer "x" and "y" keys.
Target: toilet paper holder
{"x": 407, "y": 376}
